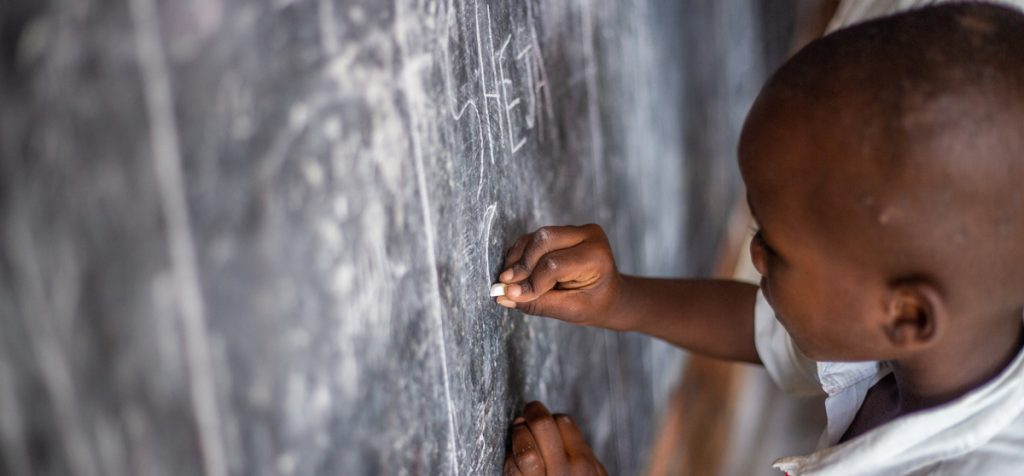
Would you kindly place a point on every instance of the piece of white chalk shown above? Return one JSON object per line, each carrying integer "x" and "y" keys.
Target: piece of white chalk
{"x": 497, "y": 289}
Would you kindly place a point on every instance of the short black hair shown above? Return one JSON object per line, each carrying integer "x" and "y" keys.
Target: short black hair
{"x": 912, "y": 57}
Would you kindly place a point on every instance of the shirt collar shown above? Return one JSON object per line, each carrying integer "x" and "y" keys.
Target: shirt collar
{"x": 920, "y": 438}
{"x": 838, "y": 376}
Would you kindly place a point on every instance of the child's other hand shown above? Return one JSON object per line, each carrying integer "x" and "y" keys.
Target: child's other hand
{"x": 565, "y": 272}
{"x": 545, "y": 444}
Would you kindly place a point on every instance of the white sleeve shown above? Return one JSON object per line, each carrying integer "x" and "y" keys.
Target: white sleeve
{"x": 791, "y": 370}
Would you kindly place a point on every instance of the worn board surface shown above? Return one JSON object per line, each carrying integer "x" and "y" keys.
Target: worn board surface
{"x": 255, "y": 237}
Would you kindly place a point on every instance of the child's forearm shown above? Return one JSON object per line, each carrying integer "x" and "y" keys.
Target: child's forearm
{"x": 710, "y": 317}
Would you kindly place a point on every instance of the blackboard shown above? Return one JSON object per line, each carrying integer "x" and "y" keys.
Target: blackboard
{"x": 256, "y": 237}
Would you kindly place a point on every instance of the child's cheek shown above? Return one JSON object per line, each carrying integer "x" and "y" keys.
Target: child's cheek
{"x": 793, "y": 301}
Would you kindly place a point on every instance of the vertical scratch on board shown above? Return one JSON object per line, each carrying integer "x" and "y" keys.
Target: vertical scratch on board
{"x": 488, "y": 222}
{"x": 483, "y": 84}
{"x": 173, "y": 203}
{"x": 593, "y": 117}
{"x": 435, "y": 283}
{"x": 412, "y": 93}
{"x": 611, "y": 347}
{"x": 494, "y": 73}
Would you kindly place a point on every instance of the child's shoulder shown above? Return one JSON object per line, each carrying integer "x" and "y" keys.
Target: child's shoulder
{"x": 1002, "y": 454}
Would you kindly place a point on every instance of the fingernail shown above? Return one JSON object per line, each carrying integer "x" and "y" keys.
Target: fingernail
{"x": 506, "y": 303}
{"x": 507, "y": 275}
{"x": 518, "y": 421}
{"x": 514, "y": 291}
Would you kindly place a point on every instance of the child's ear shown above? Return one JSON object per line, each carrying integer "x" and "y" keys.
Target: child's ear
{"x": 916, "y": 315}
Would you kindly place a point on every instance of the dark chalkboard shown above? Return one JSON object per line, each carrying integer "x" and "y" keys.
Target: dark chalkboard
{"x": 256, "y": 237}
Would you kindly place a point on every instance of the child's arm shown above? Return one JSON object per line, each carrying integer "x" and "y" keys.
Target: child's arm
{"x": 568, "y": 273}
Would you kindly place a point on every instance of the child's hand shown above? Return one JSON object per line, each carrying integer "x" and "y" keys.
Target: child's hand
{"x": 565, "y": 272}
{"x": 545, "y": 444}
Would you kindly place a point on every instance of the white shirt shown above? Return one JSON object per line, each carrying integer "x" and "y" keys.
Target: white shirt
{"x": 980, "y": 433}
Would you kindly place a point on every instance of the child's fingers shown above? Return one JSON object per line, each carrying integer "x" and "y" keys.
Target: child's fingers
{"x": 564, "y": 305}
{"x": 525, "y": 452}
{"x": 546, "y": 433}
{"x": 540, "y": 243}
{"x": 575, "y": 445}
{"x": 564, "y": 265}
{"x": 514, "y": 253}
{"x": 581, "y": 457}
{"x": 510, "y": 468}
{"x": 506, "y": 302}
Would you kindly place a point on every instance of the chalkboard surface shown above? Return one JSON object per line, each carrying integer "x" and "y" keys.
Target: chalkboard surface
{"x": 256, "y": 237}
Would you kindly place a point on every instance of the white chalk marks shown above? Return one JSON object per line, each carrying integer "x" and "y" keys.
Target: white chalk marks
{"x": 513, "y": 89}
{"x": 487, "y": 225}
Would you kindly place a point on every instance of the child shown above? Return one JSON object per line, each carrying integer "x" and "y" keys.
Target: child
{"x": 884, "y": 164}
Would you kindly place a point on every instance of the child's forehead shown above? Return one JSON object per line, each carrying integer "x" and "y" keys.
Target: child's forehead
{"x": 800, "y": 169}
{"x": 788, "y": 138}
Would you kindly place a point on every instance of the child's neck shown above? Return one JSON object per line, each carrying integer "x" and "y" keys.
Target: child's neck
{"x": 964, "y": 362}
{"x": 959, "y": 366}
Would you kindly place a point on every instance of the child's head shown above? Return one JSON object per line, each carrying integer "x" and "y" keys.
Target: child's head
{"x": 885, "y": 166}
